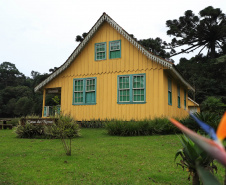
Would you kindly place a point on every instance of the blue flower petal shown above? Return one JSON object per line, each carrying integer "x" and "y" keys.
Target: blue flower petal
{"x": 208, "y": 129}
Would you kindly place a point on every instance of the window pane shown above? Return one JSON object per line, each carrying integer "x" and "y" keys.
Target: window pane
{"x": 123, "y": 95}
{"x": 100, "y": 51}
{"x": 90, "y": 85}
{"x": 142, "y": 98}
{"x": 115, "y": 45}
{"x": 124, "y": 82}
{"x": 78, "y": 97}
{"x": 78, "y": 85}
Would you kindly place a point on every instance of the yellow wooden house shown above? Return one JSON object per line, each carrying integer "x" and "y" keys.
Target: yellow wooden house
{"x": 111, "y": 76}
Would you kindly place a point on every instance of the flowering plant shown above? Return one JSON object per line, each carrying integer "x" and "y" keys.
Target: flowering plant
{"x": 214, "y": 147}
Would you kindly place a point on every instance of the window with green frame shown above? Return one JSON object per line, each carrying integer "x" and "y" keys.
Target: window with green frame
{"x": 185, "y": 96}
{"x": 169, "y": 91}
{"x": 84, "y": 91}
{"x": 100, "y": 51}
{"x": 131, "y": 89}
{"x": 178, "y": 96}
{"x": 115, "y": 49}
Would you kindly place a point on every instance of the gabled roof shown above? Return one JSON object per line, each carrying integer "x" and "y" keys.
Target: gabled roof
{"x": 90, "y": 34}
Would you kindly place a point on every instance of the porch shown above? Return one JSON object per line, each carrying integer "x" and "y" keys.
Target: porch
{"x": 51, "y": 102}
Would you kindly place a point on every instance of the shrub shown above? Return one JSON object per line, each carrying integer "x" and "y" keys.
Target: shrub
{"x": 138, "y": 128}
{"x": 14, "y": 121}
{"x": 30, "y": 131}
{"x": 93, "y": 124}
{"x": 65, "y": 127}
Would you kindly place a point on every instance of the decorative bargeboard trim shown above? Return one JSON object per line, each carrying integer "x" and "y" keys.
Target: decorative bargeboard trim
{"x": 93, "y": 30}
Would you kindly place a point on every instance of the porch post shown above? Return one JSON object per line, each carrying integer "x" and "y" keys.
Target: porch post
{"x": 44, "y": 100}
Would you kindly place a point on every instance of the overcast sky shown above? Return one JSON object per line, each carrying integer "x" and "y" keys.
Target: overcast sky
{"x": 40, "y": 34}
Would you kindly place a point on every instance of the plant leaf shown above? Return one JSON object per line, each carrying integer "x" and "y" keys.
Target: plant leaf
{"x": 179, "y": 152}
{"x": 213, "y": 148}
{"x": 206, "y": 177}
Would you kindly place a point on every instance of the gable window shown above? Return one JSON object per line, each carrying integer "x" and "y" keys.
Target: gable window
{"x": 169, "y": 91}
{"x": 100, "y": 51}
{"x": 178, "y": 96}
{"x": 115, "y": 49}
{"x": 185, "y": 99}
{"x": 131, "y": 89}
{"x": 84, "y": 91}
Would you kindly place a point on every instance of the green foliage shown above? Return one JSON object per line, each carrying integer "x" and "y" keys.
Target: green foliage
{"x": 156, "y": 46}
{"x": 93, "y": 124}
{"x": 14, "y": 121}
{"x": 213, "y": 105}
{"x": 17, "y": 90}
{"x": 206, "y": 177}
{"x": 210, "y": 118}
{"x": 10, "y": 75}
{"x": 191, "y": 154}
{"x": 67, "y": 128}
{"x": 64, "y": 128}
{"x": 30, "y": 131}
{"x": 23, "y": 106}
{"x": 138, "y": 128}
{"x": 206, "y": 76}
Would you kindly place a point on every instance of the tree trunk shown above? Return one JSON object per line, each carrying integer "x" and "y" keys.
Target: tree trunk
{"x": 212, "y": 50}
{"x": 195, "y": 179}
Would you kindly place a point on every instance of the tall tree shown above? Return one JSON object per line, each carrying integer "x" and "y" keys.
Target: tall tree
{"x": 208, "y": 30}
{"x": 10, "y": 75}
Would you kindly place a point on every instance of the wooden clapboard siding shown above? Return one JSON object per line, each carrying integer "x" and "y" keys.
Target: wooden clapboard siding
{"x": 132, "y": 61}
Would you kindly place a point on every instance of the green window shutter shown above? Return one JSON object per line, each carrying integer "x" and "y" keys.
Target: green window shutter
{"x": 90, "y": 97}
{"x": 185, "y": 99}
{"x": 115, "y": 49}
{"x": 100, "y": 51}
{"x": 169, "y": 91}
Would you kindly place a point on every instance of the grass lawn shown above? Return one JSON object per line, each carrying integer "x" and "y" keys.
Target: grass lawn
{"x": 97, "y": 158}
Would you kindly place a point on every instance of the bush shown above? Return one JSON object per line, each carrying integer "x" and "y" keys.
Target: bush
{"x": 93, "y": 124}
{"x": 14, "y": 121}
{"x": 65, "y": 127}
{"x": 30, "y": 131}
{"x": 138, "y": 128}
